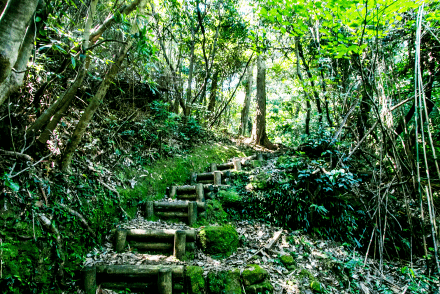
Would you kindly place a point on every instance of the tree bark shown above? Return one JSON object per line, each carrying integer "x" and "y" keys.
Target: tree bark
{"x": 259, "y": 135}
{"x": 13, "y": 25}
{"x": 213, "y": 95}
{"x": 309, "y": 75}
{"x": 247, "y": 102}
{"x": 15, "y": 79}
{"x": 92, "y": 107}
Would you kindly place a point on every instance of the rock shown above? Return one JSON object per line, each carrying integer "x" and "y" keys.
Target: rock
{"x": 264, "y": 287}
{"x": 224, "y": 282}
{"x": 195, "y": 279}
{"x": 219, "y": 241}
{"x": 253, "y": 274}
{"x": 288, "y": 261}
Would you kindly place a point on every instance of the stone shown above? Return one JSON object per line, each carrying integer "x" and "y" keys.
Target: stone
{"x": 225, "y": 282}
{"x": 219, "y": 241}
{"x": 264, "y": 287}
{"x": 254, "y": 274}
{"x": 195, "y": 279}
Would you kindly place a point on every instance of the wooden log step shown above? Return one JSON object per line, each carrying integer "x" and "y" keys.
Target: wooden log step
{"x": 186, "y": 196}
{"x": 186, "y": 189}
{"x": 171, "y": 214}
{"x": 159, "y": 234}
{"x": 224, "y": 166}
{"x": 146, "y": 246}
{"x": 151, "y": 286}
{"x": 177, "y": 205}
{"x": 205, "y": 176}
{"x": 139, "y": 270}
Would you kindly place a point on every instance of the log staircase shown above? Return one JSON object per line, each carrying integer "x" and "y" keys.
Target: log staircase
{"x": 182, "y": 202}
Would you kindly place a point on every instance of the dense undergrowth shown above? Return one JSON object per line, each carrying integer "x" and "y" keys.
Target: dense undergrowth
{"x": 315, "y": 192}
{"x": 51, "y": 220}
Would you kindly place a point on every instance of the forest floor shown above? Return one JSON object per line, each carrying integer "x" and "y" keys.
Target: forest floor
{"x": 315, "y": 266}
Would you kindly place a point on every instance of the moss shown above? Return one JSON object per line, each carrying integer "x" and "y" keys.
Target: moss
{"x": 314, "y": 283}
{"x": 253, "y": 274}
{"x": 195, "y": 279}
{"x": 219, "y": 241}
{"x": 288, "y": 261}
{"x": 232, "y": 285}
{"x": 229, "y": 198}
{"x": 264, "y": 287}
{"x": 214, "y": 214}
{"x": 153, "y": 180}
{"x": 225, "y": 282}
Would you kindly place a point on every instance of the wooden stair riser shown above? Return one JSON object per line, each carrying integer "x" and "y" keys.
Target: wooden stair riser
{"x": 215, "y": 178}
{"x": 148, "y": 240}
{"x": 190, "y": 214}
{"x": 150, "y": 278}
{"x": 189, "y": 192}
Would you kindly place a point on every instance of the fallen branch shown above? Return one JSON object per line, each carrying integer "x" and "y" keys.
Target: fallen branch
{"x": 268, "y": 246}
{"x": 16, "y": 154}
{"x": 81, "y": 218}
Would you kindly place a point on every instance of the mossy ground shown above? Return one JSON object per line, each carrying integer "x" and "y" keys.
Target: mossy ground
{"x": 152, "y": 180}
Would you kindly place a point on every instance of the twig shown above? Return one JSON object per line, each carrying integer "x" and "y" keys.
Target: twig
{"x": 269, "y": 245}
{"x": 16, "y": 154}
{"x": 43, "y": 158}
{"x": 81, "y": 218}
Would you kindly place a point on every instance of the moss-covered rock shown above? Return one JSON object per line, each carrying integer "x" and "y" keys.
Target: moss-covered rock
{"x": 288, "y": 261}
{"x": 219, "y": 241}
{"x": 253, "y": 274}
{"x": 224, "y": 282}
{"x": 264, "y": 287}
{"x": 195, "y": 279}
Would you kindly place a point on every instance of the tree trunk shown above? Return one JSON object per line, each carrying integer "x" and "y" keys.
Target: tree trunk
{"x": 92, "y": 107}
{"x": 309, "y": 75}
{"x": 57, "y": 109}
{"x": 15, "y": 79}
{"x": 13, "y": 24}
{"x": 213, "y": 95}
{"x": 247, "y": 102}
{"x": 259, "y": 135}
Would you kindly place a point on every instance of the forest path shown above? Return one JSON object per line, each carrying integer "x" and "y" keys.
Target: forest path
{"x": 169, "y": 226}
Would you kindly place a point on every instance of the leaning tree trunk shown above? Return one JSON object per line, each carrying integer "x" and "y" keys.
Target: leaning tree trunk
{"x": 15, "y": 79}
{"x": 259, "y": 135}
{"x": 247, "y": 102}
{"x": 93, "y": 106}
{"x": 55, "y": 111}
{"x": 13, "y": 24}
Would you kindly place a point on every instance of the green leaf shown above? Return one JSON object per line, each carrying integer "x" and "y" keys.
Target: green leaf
{"x": 37, "y": 19}
{"x": 73, "y": 62}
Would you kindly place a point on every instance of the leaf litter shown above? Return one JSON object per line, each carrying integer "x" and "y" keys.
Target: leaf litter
{"x": 336, "y": 268}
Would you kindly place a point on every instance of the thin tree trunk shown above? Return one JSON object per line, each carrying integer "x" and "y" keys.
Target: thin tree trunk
{"x": 309, "y": 75}
{"x": 259, "y": 135}
{"x": 213, "y": 95}
{"x": 13, "y": 25}
{"x": 69, "y": 95}
{"x": 92, "y": 107}
{"x": 298, "y": 73}
{"x": 247, "y": 102}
